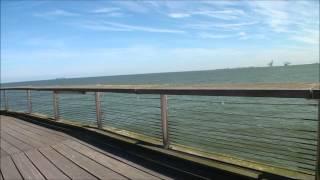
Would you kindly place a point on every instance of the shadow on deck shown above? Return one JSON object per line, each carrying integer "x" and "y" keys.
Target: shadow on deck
{"x": 32, "y": 149}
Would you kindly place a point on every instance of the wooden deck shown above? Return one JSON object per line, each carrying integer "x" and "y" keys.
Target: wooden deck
{"x": 37, "y": 150}
{"x": 29, "y": 151}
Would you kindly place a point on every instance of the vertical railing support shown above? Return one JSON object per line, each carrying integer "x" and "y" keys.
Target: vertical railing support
{"x": 29, "y": 101}
{"x": 318, "y": 147}
{"x": 164, "y": 120}
{"x": 5, "y": 98}
{"x": 56, "y": 105}
{"x": 98, "y": 109}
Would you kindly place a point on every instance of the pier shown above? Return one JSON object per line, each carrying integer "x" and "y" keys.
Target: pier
{"x": 266, "y": 131}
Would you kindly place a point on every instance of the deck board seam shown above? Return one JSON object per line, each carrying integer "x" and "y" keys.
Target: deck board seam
{"x": 35, "y": 166}
{"x": 40, "y": 126}
{"x": 19, "y": 140}
{"x": 74, "y": 162}
{"x": 13, "y": 146}
{"x": 54, "y": 164}
{"x": 161, "y": 164}
{"x": 14, "y": 163}
{"x": 115, "y": 158}
{"x": 97, "y": 161}
{"x": 32, "y": 135}
{"x": 26, "y": 135}
{"x": 19, "y": 133}
{"x": 36, "y": 134}
{"x": 37, "y": 130}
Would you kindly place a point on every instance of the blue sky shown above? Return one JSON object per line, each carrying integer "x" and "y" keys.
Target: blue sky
{"x": 52, "y": 39}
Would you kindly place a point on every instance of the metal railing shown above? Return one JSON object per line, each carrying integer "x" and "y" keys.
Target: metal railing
{"x": 273, "y": 130}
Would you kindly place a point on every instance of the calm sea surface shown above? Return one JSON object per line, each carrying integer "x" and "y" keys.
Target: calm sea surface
{"x": 275, "y": 131}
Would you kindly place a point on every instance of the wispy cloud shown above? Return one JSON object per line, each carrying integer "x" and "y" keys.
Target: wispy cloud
{"x": 210, "y": 25}
{"x": 240, "y": 35}
{"x": 179, "y": 15}
{"x": 225, "y": 14}
{"x": 57, "y": 12}
{"x": 308, "y": 36}
{"x": 106, "y": 10}
{"x": 112, "y": 26}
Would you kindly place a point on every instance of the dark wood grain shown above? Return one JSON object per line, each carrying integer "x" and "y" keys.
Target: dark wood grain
{"x": 45, "y": 167}
{"x": 8, "y": 169}
{"x": 115, "y": 165}
{"x": 26, "y": 168}
{"x": 65, "y": 165}
{"x": 87, "y": 164}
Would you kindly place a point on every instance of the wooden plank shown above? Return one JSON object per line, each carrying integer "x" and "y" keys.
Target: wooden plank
{"x": 89, "y": 165}
{"x": 142, "y": 168}
{"x": 8, "y": 169}
{"x": 8, "y": 147}
{"x": 16, "y": 142}
{"x": 68, "y": 167}
{"x": 44, "y": 166}
{"x": 36, "y": 131}
{"x": 24, "y": 138}
{"x": 42, "y": 139}
{"x": 115, "y": 165}
{"x": 58, "y": 133}
{"x": 3, "y": 153}
{"x": 26, "y": 168}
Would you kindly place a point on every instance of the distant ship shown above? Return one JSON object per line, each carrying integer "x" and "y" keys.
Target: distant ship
{"x": 62, "y": 78}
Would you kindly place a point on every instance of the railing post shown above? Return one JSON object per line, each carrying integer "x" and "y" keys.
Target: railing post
{"x": 56, "y": 105}
{"x": 5, "y": 98}
{"x": 318, "y": 147}
{"x": 98, "y": 109}
{"x": 164, "y": 120}
{"x": 29, "y": 101}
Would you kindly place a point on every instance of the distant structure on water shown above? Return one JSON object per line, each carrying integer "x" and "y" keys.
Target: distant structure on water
{"x": 270, "y": 64}
{"x": 286, "y": 63}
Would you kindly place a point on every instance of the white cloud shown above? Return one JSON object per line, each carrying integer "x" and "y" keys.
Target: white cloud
{"x": 225, "y": 14}
{"x": 106, "y": 10}
{"x": 240, "y": 35}
{"x": 210, "y": 25}
{"x": 214, "y": 36}
{"x": 308, "y": 36}
{"x": 57, "y": 12}
{"x": 112, "y": 26}
{"x": 179, "y": 15}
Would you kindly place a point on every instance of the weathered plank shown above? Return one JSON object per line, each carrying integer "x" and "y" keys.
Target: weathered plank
{"x": 87, "y": 164}
{"x": 36, "y": 131}
{"x": 26, "y": 168}
{"x": 115, "y": 165}
{"x": 122, "y": 159}
{"x": 8, "y": 147}
{"x": 3, "y": 153}
{"x": 47, "y": 140}
{"x": 51, "y": 131}
{"x": 22, "y": 137}
{"x": 65, "y": 165}
{"x": 45, "y": 167}
{"x": 8, "y": 169}
{"x": 16, "y": 142}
